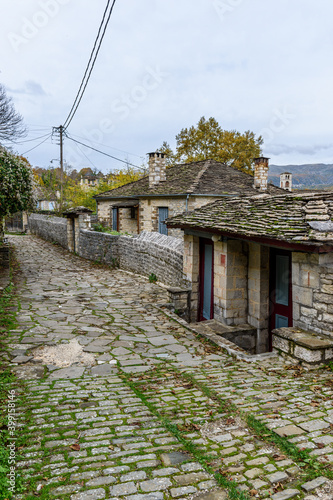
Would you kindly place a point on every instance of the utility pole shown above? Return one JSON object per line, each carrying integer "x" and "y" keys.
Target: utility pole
{"x": 60, "y": 130}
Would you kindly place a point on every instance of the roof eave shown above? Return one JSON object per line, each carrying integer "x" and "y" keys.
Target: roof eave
{"x": 264, "y": 240}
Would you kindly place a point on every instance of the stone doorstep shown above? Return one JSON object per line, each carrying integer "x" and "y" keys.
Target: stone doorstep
{"x": 227, "y": 346}
{"x": 301, "y": 345}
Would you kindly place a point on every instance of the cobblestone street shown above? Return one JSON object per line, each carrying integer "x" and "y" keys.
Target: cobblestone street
{"x": 128, "y": 403}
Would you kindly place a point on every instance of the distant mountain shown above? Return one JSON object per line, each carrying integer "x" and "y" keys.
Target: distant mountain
{"x": 309, "y": 176}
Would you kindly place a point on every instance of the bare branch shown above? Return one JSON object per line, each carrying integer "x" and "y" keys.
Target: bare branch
{"x": 11, "y": 122}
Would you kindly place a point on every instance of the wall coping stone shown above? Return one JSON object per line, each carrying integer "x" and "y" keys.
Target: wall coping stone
{"x": 307, "y": 347}
{"x": 304, "y": 338}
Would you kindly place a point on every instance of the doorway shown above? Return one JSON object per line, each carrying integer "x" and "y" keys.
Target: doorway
{"x": 281, "y": 307}
{"x": 206, "y": 280}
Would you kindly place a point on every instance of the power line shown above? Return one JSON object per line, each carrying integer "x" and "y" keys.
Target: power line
{"x": 102, "y": 152}
{"x": 80, "y": 149}
{"x": 106, "y": 146}
{"x": 92, "y": 58}
{"x": 34, "y": 139}
{"x": 49, "y": 135}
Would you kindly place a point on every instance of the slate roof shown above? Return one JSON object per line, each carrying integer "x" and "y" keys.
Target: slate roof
{"x": 305, "y": 218}
{"x": 202, "y": 177}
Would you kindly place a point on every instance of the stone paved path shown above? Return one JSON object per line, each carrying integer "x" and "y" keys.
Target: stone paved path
{"x": 129, "y": 404}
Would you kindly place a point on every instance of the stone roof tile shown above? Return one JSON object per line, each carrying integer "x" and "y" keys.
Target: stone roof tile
{"x": 291, "y": 217}
{"x": 203, "y": 177}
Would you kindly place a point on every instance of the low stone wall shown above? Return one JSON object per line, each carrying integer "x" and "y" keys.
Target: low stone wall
{"x": 49, "y": 228}
{"x": 146, "y": 254}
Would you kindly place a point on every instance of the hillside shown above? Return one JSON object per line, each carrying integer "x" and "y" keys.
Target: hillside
{"x": 309, "y": 176}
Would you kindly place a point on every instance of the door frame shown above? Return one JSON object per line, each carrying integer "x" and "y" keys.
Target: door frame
{"x": 202, "y": 243}
{"x": 115, "y": 210}
{"x": 161, "y": 223}
{"x": 287, "y": 310}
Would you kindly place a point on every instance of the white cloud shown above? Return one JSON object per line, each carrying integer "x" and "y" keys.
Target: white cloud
{"x": 242, "y": 67}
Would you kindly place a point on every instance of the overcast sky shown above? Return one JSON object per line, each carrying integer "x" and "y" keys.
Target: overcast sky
{"x": 260, "y": 65}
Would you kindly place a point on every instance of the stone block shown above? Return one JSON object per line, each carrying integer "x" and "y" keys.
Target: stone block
{"x": 308, "y": 312}
{"x": 307, "y": 354}
{"x": 302, "y": 295}
{"x": 280, "y": 344}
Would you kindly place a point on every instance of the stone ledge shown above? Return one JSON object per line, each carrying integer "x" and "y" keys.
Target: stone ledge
{"x": 304, "y": 346}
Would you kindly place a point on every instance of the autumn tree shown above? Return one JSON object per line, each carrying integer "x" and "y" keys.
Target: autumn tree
{"x": 169, "y": 155}
{"x": 16, "y": 185}
{"x": 74, "y": 193}
{"x": 207, "y": 140}
{"x": 11, "y": 122}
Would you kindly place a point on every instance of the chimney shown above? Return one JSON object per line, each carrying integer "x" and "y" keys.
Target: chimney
{"x": 157, "y": 168}
{"x": 286, "y": 181}
{"x": 260, "y": 173}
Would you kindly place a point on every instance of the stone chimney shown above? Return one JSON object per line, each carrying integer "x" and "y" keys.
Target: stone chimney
{"x": 157, "y": 168}
{"x": 286, "y": 181}
{"x": 260, "y": 173}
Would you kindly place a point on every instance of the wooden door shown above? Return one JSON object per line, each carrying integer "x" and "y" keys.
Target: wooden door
{"x": 162, "y": 215}
{"x": 206, "y": 280}
{"x": 281, "y": 307}
{"x": 115, "y": 219}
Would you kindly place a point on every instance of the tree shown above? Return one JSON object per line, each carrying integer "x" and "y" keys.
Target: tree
{"x": 11, "y": 122}
{"x": 16, "y": 185}
{"x": 209, "y": 141}
{"x": 169, "y": 155}
{"x": 74, "y": 193}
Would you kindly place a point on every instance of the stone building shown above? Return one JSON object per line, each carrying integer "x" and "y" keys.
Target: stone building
{"x": 46, "y": 201}
{"x": 144, "y": 205}
{"x": 286, "y": 181}
{"x": 90, "y": 180}
{"x": 263, "y": 263}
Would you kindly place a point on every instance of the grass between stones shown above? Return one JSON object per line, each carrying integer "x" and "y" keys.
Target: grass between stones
{"x": 311, "y": 468}
{"x": 204, "y": 459}
{"x": 13, "y": 425}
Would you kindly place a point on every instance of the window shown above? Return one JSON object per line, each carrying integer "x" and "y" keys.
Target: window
{"x": 133, "y": 212}
{"x": 162, "y": 215}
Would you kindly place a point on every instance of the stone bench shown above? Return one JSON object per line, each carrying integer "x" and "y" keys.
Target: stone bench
{"x": 303, "y": 346}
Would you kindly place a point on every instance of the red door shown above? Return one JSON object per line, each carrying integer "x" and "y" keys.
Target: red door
{"x": 206, "y": 280}
{"x": 281, "y": 307}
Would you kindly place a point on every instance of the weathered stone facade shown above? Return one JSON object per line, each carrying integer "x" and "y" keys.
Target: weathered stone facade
{"x": 146, "y": 215}
{"x": 312, "y": 280}
{"x": 241, "y": 286}
{"x": 241, "y": 283}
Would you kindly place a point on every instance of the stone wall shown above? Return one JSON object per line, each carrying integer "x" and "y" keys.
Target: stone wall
{"x": 49, "y": 228}
{"x": 146, "y": 254}
{"x": 127, "y": 224}
{"x": 312, "y": 278}
{"x": 148, "y": 213}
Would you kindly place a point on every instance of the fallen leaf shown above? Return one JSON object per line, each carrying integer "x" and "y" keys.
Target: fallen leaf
{"x": 75, "y": 447}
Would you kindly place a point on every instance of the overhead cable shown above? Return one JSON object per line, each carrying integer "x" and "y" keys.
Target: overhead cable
{"x": 102, "y": 152}
{"x": 91, "y": 63}
{"x": 37, "y": 145}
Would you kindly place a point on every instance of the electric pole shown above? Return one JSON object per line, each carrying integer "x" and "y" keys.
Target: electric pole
{"x": 60, "y": 130}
